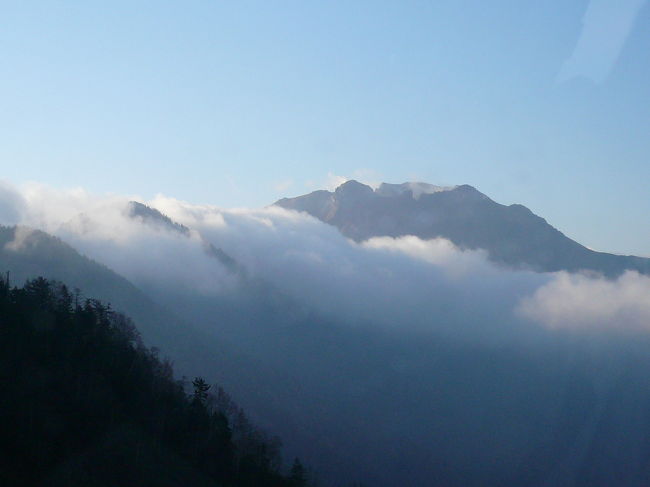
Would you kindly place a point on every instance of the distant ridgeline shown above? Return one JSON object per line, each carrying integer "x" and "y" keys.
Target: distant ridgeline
{"x": 84, "y": 402}
{"x": 512, "y": 235}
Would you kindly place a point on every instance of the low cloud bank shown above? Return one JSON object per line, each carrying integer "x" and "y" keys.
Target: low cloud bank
{"x": 399, "y": 282}
{"x": 439, "y": 252}
{"x": 591, "y": 302}
{"x": 406, "y": 282}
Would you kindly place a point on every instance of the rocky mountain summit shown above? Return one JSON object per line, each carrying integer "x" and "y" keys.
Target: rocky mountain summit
{"x": 512, "y": 235}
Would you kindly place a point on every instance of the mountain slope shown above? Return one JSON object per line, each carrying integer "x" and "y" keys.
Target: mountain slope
{"x": 212, "y": 339}
{"x": 401, "y": 408}
{"x": 84, "y": 402}
{"x": 26, "y": 253}
{"x": 512, "y": 235}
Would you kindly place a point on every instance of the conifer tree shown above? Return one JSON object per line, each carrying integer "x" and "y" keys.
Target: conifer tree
{"x": 297, "y": 475}
{"x": 201, "y": 388}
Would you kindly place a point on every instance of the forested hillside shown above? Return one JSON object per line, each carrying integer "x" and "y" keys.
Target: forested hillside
{"x": 84, "y": 402}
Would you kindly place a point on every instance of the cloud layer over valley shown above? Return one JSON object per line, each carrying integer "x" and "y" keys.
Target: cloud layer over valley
{"x": 398, "y": 282}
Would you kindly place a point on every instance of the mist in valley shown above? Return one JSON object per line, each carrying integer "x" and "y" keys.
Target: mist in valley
{"x": 409, "y": 359}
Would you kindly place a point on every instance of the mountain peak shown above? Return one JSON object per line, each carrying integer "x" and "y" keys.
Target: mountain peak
{"x": 353, "y": 188}
{"x": 512, "y": 235}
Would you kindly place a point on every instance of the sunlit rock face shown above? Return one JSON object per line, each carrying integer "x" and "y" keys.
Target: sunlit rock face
{"x": 512, "y": 235}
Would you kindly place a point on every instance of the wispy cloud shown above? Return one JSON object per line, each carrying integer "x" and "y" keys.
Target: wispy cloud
{"x": 333, "y": 181}
{"x": 21, "y": 237}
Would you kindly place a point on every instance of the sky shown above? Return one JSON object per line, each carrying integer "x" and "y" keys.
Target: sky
{"x": 237, "y": 104}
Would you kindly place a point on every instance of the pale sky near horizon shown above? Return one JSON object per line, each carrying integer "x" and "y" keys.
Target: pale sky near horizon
{"x": 546, "y": 104}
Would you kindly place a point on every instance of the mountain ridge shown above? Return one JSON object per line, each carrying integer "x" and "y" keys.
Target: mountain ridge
{"x": 512, "y": 235}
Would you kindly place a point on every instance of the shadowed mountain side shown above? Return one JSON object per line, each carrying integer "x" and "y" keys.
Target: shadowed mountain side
{"x": 26, "y": 253}
{"x": 400, "y": 408}
{"x": 84, "y": 402}
{"x": 234, "y": 344}
{"x": 512, "y": 235}
{"x": 244, "y": 366}
{"x": 392, "y": 406}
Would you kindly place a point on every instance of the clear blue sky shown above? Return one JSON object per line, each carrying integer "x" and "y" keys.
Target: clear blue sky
{"x": 239, "y": 103}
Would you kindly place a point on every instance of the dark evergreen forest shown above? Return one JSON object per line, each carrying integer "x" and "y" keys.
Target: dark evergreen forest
{"x": 84, "y": 402}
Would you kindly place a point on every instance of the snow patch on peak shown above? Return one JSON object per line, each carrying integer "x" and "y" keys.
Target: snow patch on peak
{"x": 417, "y": 189}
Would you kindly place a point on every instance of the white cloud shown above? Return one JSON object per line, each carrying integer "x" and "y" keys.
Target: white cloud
{"x": 591, "y": 302}
{"x": 438, "y": 251}
{"x": 401, "y": 282}
{"x": 391, "y": 282}
{"x": 99, "y": 226}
